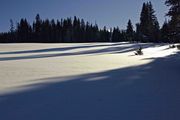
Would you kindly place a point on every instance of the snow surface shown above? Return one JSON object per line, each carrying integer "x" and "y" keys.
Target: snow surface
{"x": 89, "y": 81}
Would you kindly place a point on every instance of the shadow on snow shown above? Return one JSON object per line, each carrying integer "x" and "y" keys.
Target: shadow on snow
{"x": 111, "y": 49}
{"x": 146, "y": 92}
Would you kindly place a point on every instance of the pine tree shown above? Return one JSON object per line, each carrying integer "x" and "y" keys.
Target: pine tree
{"x": 24, "y": 31}
{"x": 155, "y": 35}
{"x": 104, "y": 35}
{"x": 174, "y": 13}
{"x": 53, "y": 31}
{"x": 11, "y": 26}
{"x": 37, "y": 28}
{"x": 149, "y": 26}
{"x": 82, "y": 30}
{"x": 12, "y": 31}
{"x": 76, "y": 30}
{"x": 59, "y": 31}
{"x": 143, "y": 21}
{"x": 165, "y": 32}
{"x": 45, "y": 31}
{"x": 130, "y": 31}
{"x": 116, "y": 35}
{"x": 138, "y": 35}
{"x": 95, "y": 33}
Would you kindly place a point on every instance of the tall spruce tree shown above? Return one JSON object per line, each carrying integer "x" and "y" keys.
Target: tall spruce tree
{"x": 37, "y": 28}
{"x": 116, "y": 35}
{"x": 130, "y": 31}
{"x": 104, "y": 35}
{"x": 149, "y": 26}
{"x": 53, "y": 31}
{"x": 138, "y": 35}
{"x": 12, "y": 31}
{"x": 174, "y": 13}
{"x": 45, "y": 32}
{"x": 59, "y": 31}
{"x": 143, "y": 22}
{"x": 11, "y": 26}
{"x": 165, "y": 32}
{"x": 24, "y": 31}
{"x": 76, "y": 29}
{"x": 82, "y": 30}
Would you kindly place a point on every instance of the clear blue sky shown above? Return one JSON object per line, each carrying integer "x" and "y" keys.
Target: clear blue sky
{"x": 110, "y": 13}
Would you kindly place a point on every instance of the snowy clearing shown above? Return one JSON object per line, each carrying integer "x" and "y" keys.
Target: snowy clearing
{"x": 89, "y": 81}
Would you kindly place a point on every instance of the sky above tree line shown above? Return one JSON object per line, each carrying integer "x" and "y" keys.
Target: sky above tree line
{"x": 110, "y": 13}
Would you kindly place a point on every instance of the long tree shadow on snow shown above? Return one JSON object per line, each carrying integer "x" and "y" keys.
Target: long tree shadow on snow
{"x": 110, "y": 49}
{"x": 59, "y": 49}
{"x": 146, "y": 92}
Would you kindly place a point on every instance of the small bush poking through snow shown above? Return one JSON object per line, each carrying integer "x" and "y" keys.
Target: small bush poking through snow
{"x": 139, "y": 51}
{"x": 178, "y": 47}
{"x": 172, "y": 46}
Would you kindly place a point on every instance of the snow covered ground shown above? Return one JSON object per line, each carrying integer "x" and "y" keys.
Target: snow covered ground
{"x": 89, "y": 81}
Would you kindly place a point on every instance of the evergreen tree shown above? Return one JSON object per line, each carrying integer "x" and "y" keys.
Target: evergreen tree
{"x": 138, "y": 34}
{"x": 116, "y": 35}
{"x": 77, "y": 30}
{"x": 24, "y": 31}
{"x": 67, "y": 30}
{"x": 11, "y": 26}
{"x": 95, "y": 33}
{"x": 45, "y": 31}
{"x": 165, "y": 32}
{"x": 174, "y": 13}
{"x": 53, "y": 31}
{"x": 12, "y": 36}
{"x": 82, "y": 31}
{"x": 143, "y": 21}
{"x": 156, "y": 36}
{"x": 123, "y": 35}
{"x": 104, "y": 35}
{"x": 59, "y": 31}
{"x": 130, "y": 31}
{"x": 37, "y": 28}
{"x": 88, "y": 32}
{"x": 149, "y": 26}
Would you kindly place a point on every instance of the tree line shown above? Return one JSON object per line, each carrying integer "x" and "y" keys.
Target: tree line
{"x": 51, "y": 31}
{"x": 76, "y": 30}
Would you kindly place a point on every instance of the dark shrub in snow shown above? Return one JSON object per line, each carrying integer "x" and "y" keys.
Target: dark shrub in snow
{"x": 178, "y": 47}
{"x": 139, "y": 51}
{"x": 172, "y": 46}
